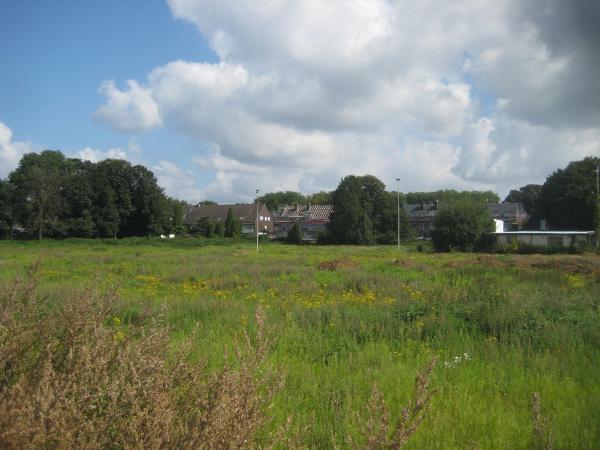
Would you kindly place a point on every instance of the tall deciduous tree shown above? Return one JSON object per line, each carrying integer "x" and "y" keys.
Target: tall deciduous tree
{"x": 38, "y": 185}
{"x": 568, "y": 198}
{"x": 527, "y": 195}
{"x": 350, "y": 222}
{"x": 6, "y": 208}
{"x": 276, "y": 200}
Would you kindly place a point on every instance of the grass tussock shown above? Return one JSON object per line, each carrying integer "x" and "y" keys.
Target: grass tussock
{"x": 379, "y": 432}
{"x": 75, "y": 376}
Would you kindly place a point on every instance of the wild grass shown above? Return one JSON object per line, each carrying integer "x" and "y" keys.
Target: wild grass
{"x": 527, "y": 325}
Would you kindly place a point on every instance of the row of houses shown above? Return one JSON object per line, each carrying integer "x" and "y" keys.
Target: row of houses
{"x": 313, "y": 219}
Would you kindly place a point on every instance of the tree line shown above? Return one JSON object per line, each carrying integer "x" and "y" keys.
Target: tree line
{"x": 50, "y": 195}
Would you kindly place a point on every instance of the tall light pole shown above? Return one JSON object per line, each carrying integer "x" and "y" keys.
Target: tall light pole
{"x": 257, "y": 191}
{"x": 398, "y": 189}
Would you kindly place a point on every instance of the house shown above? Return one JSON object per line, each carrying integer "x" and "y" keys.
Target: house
{"x": 545, "y": 238}
{"x": 512, "y": 215}
{"x": 312, "y": 220}
{"x": 245, "y": 213}
{"x": 421, "y": 216}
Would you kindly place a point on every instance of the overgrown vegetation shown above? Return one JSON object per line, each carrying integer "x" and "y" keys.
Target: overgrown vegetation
{"x": 73, "y": 374}
{"x": 342, "y": 320}
{"x": 50, "y": 195}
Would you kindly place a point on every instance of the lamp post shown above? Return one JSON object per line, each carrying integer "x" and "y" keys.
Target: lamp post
{"x": 257, "y": 191}
{"x": 398, "y": 190}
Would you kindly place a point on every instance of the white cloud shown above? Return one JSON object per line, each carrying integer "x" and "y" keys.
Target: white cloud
{"x": 11, "y": 151}
{"x": 128, "y": 110}
{"x": 458, "y": 94}
{"x": 90, "y": 154}
{"x": 177, "y": 182}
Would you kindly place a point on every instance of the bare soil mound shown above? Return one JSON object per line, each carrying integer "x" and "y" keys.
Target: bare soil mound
{"x": 334, "y": 264}
{"x": 588, "y": 265}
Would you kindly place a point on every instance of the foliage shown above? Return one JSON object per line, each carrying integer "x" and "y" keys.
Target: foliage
{"x": 275, "y": 201}
{"x": 350, "y": 222}
{"x": 461, "y": 225}
{"x": 294, "y": 235}
{"x": 233, "y": 227}
{"x": 449, "y": 195}
{"x": 568, "y": 197}
{"x": 319, "y": 198}
{"x": 528, "y": 323}
{"x": 527, "y": 195}
{"x": 364, "y": 213}
{"x": 6, "y": 208}
{"x": 81, "y": 377}
{"x": 61, "y": 197}
{"x": 219, "y": 229}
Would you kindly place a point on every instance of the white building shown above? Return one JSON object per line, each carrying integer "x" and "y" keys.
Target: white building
{"x": 545, "y": 238}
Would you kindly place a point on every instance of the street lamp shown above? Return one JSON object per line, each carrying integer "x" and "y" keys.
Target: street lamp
{"x": 398, "y": 189}
{"x": 257, "y": 191}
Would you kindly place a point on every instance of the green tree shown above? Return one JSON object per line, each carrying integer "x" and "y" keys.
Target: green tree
{"x": 38, "y": 200}
{"x": 6, "y": 208}
{"x": 461, "y": 224}
{"x": 568, "y": 197}
{"x": 527, "y": 195}
{"x": 232, "y": 226}
{"x": 294, "y": 235}
{"x": 210, "y": 230}
{"x": 276, "y": 200}
{"x": 320, "y": 198}
{"x": 78, "y": 196}
{"x": 350, "y": 222}
{"x": 451, "y": 195}
{"x": 219, "y": 229}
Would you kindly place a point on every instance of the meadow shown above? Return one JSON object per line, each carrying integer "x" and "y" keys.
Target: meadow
{"x": 343, "y": 319}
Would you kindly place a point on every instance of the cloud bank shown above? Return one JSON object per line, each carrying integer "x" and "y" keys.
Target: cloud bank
{"x": 463, "y": 94}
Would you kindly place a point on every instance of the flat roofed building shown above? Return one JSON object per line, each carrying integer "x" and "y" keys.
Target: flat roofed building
{"x": 545, "y": 238}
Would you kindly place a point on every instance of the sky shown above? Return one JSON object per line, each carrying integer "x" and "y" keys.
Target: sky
{"x": 220, "y": 98}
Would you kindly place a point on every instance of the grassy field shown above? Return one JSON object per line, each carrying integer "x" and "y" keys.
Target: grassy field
{"x": 345, "y": 318}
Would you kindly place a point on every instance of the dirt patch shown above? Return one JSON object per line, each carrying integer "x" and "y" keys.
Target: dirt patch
{"x": 582, "y": 265}
{"x": 335, "y": 264}
{"x": 409, "y": 263}
{"x": 481, "y": 260}
{"x": 573, "y": 264}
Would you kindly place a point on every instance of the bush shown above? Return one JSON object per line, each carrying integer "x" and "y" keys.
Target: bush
{"x": 294, "y": 235}
{"x": 461, "y": 225}
{"x": 73, "y": 375}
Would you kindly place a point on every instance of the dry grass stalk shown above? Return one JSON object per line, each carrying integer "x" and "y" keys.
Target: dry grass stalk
{"x": 379, "y": 434}
{"x": 542, "y": 435}
{"x": 78, "y": 378}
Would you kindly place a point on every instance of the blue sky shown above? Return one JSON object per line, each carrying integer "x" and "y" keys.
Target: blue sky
{"x": 57, "y": 53}
{"x": 221, "y": 98}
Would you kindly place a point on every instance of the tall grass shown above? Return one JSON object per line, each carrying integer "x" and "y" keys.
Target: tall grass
{"x": 527, "y": 325}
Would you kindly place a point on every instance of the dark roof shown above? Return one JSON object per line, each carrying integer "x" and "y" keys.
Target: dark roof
{"x": 218, "y": 213}
{"x": 423, "y": 207}
{"x": 506, "y": 210}
{"x": 305, "y": 212}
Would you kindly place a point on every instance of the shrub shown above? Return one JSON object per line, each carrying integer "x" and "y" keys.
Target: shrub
{"x": 294, "y": 235}
{"x": 461, "y": 225}
{"x": 72, "y": 375}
